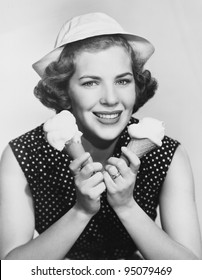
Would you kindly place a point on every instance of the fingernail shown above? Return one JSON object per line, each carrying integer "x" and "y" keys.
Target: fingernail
{"x": 124, "y": 148}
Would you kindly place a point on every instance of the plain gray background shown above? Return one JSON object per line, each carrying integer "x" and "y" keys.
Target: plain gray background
{"x": 28, "y": 29}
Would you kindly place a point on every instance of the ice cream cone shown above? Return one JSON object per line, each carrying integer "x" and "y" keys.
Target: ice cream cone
{"x": 74, "y": 150}
{"x": 74, "y": 147}
{"x": 62, "y": 133}
{"x": 145, "y": 136}
{"x": 141, "y": 146}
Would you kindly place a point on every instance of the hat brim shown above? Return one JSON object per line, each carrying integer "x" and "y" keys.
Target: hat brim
{"x": 139, "y": 44}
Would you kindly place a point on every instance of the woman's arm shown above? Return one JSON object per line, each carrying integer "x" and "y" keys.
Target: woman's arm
{"x": 180, "y": 238}
{"x": 178, "y": 211}
{"x": 16, "y": 207}
{"x": 17, "y": 217}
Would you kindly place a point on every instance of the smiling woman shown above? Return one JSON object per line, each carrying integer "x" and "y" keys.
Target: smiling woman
{"x": 52, "y": 86}
{"x": 96, "y": 205}
{"x": 104, "y": 105}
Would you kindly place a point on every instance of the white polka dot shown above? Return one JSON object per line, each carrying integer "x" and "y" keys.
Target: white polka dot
{"x": 53, "y": 191}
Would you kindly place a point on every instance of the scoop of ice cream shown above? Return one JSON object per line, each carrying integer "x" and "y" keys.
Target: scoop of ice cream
{"x": 150, "y": 128}
{"x": 62, "y": 128}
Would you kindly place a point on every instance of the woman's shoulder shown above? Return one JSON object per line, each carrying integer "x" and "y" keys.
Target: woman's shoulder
{"x": 169, "y": 143}
{"x": 165, "y": 153}
{"x": 30, "y": 143}
{"x": 30, "y": 140}
{"x": 33, "y": 144}
{"x": 30, "y": 136}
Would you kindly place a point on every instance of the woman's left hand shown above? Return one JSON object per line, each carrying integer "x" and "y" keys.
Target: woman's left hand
{"x": 120, "y": 179}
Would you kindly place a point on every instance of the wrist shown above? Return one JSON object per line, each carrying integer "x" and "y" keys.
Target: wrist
{"x": 125, "y": 211}
{"x": 81, "y": 213}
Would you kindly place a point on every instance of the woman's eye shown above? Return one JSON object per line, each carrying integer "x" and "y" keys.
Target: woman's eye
{"x": 123, "y": 82}
{"x": 90, "y": 84}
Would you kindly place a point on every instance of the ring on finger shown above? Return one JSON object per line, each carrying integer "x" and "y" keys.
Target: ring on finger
{"x": 116, "y": 175}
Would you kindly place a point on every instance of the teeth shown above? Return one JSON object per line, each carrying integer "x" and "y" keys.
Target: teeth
{"x": 105, "y": 116}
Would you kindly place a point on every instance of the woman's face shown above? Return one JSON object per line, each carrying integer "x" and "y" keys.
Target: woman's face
{"x": 102, "y": 93}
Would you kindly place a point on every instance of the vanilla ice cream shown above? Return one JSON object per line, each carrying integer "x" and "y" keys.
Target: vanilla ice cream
{"x": 145, "y": 136}
{"x": 149, "y": 128}
{"x": 62, "y": 130}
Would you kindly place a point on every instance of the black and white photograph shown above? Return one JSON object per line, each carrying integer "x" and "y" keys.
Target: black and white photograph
{"x": 101, "y": 112}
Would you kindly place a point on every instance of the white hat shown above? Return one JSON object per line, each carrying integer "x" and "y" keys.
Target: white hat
{"x": 90, "y": 25}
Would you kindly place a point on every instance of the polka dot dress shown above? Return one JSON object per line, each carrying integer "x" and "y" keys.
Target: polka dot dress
{"x": 52, "y": 186}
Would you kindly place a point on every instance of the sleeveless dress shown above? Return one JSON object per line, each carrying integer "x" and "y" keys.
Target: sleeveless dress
{"x": 52, "y": 187}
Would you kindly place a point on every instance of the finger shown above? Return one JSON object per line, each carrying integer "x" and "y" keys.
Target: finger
{"x": 111, "y": 169}
{"x": 113, "y": 172}
{"x": 120, "y": 165}
{"x": 110, "y": 184}
{"x": 93, "y": 181}
{"x": 134, "y": 161}
{"x": 77, "y": 164}
{"x": 91, "y": 168}
{"x": 96, "y": 192}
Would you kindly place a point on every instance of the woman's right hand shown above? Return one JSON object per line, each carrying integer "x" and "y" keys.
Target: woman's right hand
{"x": 89, "y": 183}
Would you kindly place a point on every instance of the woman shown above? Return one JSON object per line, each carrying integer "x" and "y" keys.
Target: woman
{"x": 96, "y": 206}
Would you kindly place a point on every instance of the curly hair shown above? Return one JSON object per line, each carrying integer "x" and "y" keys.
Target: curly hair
{"x": 52, "y": 89}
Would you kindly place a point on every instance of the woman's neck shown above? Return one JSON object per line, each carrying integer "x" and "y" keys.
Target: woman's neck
{"x": 100, "y": 152}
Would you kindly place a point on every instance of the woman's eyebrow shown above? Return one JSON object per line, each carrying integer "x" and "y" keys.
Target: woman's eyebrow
{"x": 124, "y": 74}
{"x": 89, "y": 77}
{"x": 98, "y": 78}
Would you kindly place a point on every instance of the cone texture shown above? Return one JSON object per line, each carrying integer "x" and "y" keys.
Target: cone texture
{"x": 74, "y": 149}
{"x": 141, "y": 146}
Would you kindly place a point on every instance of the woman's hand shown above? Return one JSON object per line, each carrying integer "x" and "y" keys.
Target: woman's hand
{"x": 120, "y": 180}
{"x": 89, "y": 183}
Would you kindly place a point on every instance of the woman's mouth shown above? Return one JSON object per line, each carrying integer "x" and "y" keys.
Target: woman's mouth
{"x": 106, "y": 117}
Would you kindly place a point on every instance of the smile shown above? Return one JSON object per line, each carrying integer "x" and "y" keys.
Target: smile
{"x": 108, "y": 117}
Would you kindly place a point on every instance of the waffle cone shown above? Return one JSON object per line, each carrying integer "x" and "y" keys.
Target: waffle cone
{"x": 74, "y": 149}
{"x": 140, "y": 147}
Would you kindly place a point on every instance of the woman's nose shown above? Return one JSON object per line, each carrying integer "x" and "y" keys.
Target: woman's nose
{"x": 109, "y": 96}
